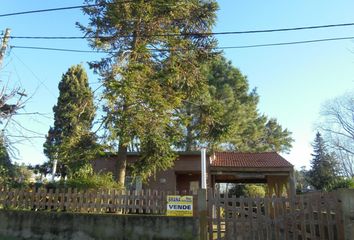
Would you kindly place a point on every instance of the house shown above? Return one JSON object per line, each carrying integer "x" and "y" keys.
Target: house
{"x": 221, "y": 167}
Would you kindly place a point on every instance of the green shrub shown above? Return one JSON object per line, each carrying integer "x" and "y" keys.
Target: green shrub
{"x": 85, "y": 178}
{"x": 248, "y": 190}
{"x": 343, "y": 183}
{"x": 4, "y": 177}
{"x": 253, "y": 190}
{"x": 94, "y": 181}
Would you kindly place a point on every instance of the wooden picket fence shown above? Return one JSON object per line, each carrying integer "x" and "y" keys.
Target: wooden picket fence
{"x": 315, "y": 216}
{"x": 89, "y": 201}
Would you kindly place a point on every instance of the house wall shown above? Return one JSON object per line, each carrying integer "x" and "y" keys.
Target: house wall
{"x": 185, "y": 164}
{"x": 188, "y": 163}
{"x": 184, "y": 181}
{"x": 163, "y": 180}
{"x": 186, "y": 168}
{"x": 104, "y": 164}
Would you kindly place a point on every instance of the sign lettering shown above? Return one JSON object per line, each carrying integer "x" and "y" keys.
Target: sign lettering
{"x": 179, "y": 205}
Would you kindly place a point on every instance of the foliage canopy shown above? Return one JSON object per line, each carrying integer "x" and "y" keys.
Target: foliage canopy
{"x": 225, "y": 116}
{"x": 155, "y": 50}
{"x": 70, "y": 140}
{"x": 322, "y": 174}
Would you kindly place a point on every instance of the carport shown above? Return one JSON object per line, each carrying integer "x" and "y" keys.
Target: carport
{"x": 268, "y": 167}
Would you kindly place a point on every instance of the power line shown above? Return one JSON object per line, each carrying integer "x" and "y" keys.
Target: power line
{"x": 55, "y": 9}
{"x": 57, "y": 49}
{"x": 216, "y": 48}
{"x": 287, "y": 29}
{"x": 46, "y": 10}
{"x": 35, "y": 76}
{"x": 193, "y": 33}
{"x": 288, "y": 43}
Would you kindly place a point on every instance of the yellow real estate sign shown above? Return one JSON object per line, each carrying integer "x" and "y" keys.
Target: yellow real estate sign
{"x": 179, "y": 205}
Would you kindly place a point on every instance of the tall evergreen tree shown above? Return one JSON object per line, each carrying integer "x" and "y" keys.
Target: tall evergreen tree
{"x": 6, "y": 167}
{"x": 323, "y": 166}
{"x": 226, "y": 115}
{"x": 263, "y": 135}
{"x": 70, "y": 140}
{"x": 155, "y": 51}
{"x": 225, "y": 105}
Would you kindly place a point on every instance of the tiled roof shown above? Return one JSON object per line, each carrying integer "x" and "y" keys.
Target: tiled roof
{"x": 249, "y": 160}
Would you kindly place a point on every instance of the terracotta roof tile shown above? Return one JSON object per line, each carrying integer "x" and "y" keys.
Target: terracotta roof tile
{"x": 249, "y": 160}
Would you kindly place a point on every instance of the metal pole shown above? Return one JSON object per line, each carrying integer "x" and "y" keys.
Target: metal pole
{"x": 203, "y": 168}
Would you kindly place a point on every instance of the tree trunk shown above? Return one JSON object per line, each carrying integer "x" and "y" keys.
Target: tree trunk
{"x": 189, "y": 139}
{"x": 189, "y": 135}
{"x": 120, "y": 164}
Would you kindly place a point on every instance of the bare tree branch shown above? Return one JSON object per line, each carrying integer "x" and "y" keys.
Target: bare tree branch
{"x": 338, "y": 126}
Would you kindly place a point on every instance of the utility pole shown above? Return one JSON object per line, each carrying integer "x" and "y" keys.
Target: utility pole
{"x": 4, "y": 45}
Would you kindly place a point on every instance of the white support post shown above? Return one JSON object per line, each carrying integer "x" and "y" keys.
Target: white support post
{"x": 54, "y": 169}
{"x": 203, "y": 168}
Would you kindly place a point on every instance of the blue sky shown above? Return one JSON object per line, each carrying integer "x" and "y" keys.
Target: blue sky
{"x": 292, "y": 81}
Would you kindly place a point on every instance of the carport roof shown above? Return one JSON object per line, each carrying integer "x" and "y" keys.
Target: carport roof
{"x": 249, "y": 160}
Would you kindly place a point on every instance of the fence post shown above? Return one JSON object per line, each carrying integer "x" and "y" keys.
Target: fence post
{"x": 346, "y": 196}
{"x": 203, "y": 214}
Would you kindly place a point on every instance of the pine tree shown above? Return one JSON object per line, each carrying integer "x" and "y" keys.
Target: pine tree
{"x": 6, "y": 167}
{"x": 264, "y": 135}
{"x": 4, "y": 155}
{"x": 276, "y": 138}
{"x": 70, "y": 140}
{"x": 226, "y": 115}
{"x": 323, "y": 166}
{"x": 210, "y": 117}
{"x": 155, "y": 51}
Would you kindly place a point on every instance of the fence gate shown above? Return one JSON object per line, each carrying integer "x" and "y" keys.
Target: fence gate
{"x": 305, "y": 217}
